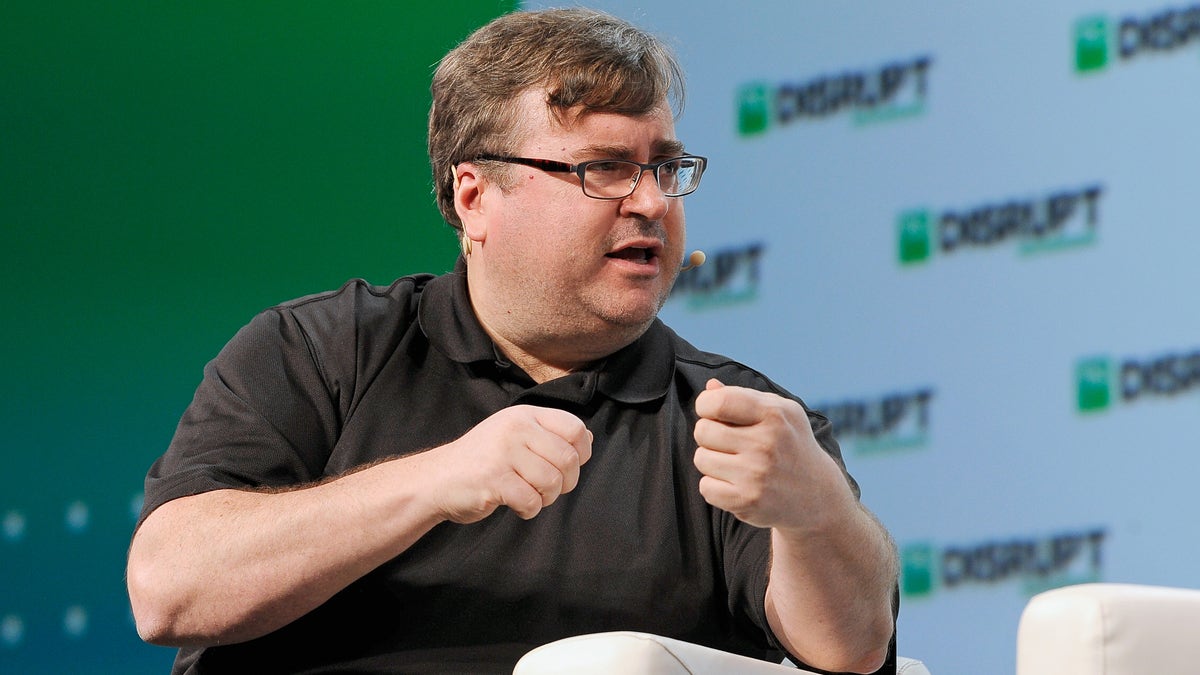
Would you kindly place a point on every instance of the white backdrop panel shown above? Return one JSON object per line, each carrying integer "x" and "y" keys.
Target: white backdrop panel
{"x": 1004, "y": 467}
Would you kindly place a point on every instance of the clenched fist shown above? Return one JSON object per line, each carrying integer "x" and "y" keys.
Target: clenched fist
{"x": 521, "y": 457}
{"x": 760, "y": 459}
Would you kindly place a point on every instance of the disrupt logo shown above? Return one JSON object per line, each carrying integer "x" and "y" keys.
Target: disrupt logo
{"x": 1162, "y": 31}
{"x": 1064, "y": 219}
{"x": 1099, "y": 381}
{"x": 891, "y": 422}
{"x": 1040, "y": 563}
{"x": 895, "y": 90}
{"x": 729, "y": 276}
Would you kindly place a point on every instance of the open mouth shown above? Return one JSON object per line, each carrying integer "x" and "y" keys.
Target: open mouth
{"x": 634, "y": 253}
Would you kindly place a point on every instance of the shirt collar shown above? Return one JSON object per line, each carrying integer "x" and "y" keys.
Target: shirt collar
{"x": 637, "y": 373}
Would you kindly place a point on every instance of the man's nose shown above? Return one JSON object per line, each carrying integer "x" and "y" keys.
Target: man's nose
{"x": 647, "y": 198}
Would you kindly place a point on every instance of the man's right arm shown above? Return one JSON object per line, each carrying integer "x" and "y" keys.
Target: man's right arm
{"x": 232, "y": 565}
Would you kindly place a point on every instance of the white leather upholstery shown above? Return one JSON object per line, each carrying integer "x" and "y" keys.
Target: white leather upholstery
{"x": 906, "y": 666}
{"x": 1110, "y": 629}
{"x": 638, "y": 654}
{"x": 645, "y": 654}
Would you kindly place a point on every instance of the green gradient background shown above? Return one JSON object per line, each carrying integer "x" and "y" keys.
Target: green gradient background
{"x": 168, "y": 170}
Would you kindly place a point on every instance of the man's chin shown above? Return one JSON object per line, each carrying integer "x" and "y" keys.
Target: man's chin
{"x": 626, "y": 311}
{"x": 631, "y": 324}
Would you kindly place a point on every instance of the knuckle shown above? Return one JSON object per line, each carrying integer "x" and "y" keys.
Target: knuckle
{"x": 760, "y": 448}
{"x": 580, "y": 430}
{"x": 568, "y": 458}
{"x": 775, "y": 415}
{"x": 721, "y": 402}
{"x": 530, "y": 504}
{"x": 753, "y": 495}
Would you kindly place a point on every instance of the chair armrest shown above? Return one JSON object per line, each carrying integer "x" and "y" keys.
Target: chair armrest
{"x": 640, "y": 654}
{"x": 1117, "y": 629}
{"x": 907, "y": 666}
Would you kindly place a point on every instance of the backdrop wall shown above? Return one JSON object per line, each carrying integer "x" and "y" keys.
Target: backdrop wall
{"x": 967, "y": 231}
{"x": 167, "y": 170}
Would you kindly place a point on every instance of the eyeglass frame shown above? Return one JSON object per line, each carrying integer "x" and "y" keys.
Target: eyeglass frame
{"x": 555, "y": 166}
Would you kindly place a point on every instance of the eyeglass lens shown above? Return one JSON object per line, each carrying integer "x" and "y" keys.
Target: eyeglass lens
{"x": 617, "y": 178}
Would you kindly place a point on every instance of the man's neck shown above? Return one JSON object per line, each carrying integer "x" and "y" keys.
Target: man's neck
{"x": 546, "y": 354}
{"x": 540, "y": 369}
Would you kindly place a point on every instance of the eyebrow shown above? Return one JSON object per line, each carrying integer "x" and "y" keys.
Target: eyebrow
{"x": 669, "y": 148}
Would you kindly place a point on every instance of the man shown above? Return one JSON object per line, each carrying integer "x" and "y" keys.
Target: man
{"x": 445, "y": 473}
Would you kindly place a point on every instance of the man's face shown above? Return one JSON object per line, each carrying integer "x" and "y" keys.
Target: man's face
{"x": 571, "y": 264}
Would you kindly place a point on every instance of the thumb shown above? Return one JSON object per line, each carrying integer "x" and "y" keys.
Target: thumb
{"x": 713, "y": 383}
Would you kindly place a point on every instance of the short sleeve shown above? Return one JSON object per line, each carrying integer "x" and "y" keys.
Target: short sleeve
{"x": 263, "y": 416}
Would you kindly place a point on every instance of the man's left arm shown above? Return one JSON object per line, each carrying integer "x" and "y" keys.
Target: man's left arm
{"x": 833, "y": 565}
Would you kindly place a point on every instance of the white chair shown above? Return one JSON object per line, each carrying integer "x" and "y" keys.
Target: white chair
{"x": 645, "y": 654}
{"x": 1110, "y": 629}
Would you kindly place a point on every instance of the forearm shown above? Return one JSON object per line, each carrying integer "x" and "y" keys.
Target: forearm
{"x": 829, "y": 598}
{"x": 229, "y": 566}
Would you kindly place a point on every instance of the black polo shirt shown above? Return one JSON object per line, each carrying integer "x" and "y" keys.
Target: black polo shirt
{"x": 318, "y": 386}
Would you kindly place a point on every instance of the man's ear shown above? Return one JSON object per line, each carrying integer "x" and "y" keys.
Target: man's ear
{"x": 469, "y": 186}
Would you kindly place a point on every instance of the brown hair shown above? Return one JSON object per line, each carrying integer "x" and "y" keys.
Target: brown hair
{"x": 586, "y": 61}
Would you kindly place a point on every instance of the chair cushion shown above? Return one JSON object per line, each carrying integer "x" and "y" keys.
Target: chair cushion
{"x": 640, "y": 654}
{"x": 1110, "y": 629}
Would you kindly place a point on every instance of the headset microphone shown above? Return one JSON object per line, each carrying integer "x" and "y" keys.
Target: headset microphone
{"x": 694, "y": 260}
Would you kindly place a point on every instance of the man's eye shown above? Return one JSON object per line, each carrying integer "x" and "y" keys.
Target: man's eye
{"x": 608, "y": 167}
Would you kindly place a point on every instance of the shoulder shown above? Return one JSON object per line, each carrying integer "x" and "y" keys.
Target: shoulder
{"x": 356, "y": 312}
{"x": 694, "y": 367}
{"x": 697, "y": 365}
{"x": 332, "y": 326}
{"x": 357, "y": 299}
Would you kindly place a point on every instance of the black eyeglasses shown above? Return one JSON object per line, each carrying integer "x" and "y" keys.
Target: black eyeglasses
{"x": 618, "y": 178}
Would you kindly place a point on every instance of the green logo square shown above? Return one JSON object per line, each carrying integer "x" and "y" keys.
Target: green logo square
{"x": 754, "y": 109}
{"x": 1091, "y": 43}
{"x": 913, "y": 229}
{"x": 917, "y": 570}
{"x": 1093, "y": 388}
